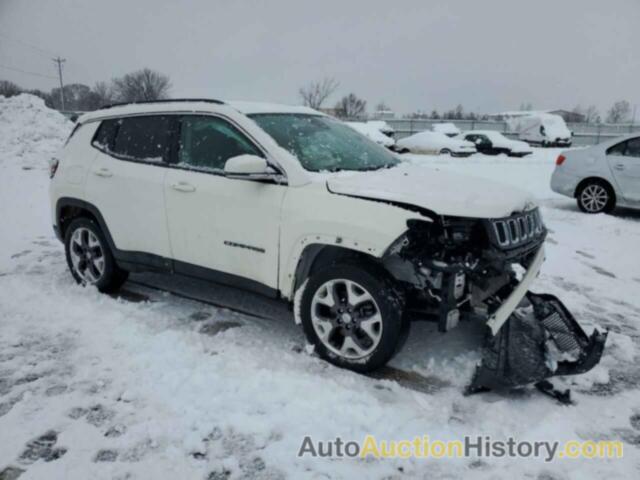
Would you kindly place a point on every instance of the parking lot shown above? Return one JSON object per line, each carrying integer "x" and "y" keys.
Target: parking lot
{"x": 177, "y": 378}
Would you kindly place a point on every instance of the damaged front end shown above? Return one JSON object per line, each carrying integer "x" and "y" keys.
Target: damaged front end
{"x": 481, "y": 270}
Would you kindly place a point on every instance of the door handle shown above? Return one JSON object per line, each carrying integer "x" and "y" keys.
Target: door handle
{"x": 619, "y": 166}
{"x": 103, "y": 172}
{"x": 183, "y": 187}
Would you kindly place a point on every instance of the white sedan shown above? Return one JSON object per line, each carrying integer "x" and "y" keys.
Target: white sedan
{"x": 491, "y": 142}
{"x": 435, "y": 143}
{"x": 601, "y": 177}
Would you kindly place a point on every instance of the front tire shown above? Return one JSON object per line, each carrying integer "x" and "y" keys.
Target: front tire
{"x": 89, "y": 257}
{"x": 445, "y": 151}
{"x": 596, "y": 197}
{"x": 353, "y": 316}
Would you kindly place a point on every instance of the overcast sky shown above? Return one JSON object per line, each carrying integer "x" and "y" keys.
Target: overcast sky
{"x": 487, "y": 55}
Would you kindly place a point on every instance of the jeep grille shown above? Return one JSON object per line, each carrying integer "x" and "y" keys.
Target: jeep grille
{"x": 518, "y": 229}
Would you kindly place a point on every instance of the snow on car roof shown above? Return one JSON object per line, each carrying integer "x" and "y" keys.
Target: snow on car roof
{"x": 249, "y": 108}
{"x": 195, "y": 105}
{"x": 489, "y": 133}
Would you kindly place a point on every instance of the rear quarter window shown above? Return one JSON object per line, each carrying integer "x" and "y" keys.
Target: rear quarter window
{"x": 105, "y": 135}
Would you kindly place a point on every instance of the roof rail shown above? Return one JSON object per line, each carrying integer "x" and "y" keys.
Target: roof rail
{"x": 166, "y": 100}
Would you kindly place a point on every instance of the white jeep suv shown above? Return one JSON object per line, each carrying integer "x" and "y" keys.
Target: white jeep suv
{"x": 296, "y": 205}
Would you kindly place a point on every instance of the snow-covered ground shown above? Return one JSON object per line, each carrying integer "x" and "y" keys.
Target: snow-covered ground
{"x": 150, "y": 384}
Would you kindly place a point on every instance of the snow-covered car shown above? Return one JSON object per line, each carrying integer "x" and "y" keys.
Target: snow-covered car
{"x": 545, "y": 129}
{"x": 293, "y": 204}
{"x": 448, "y": 128}
{"x": 435, "y": 143}
{"x": 601, "y": 177}
{"x": 490, "y": 142}
{"x": 383, "y": 126}
{"x": 373, "y": 133}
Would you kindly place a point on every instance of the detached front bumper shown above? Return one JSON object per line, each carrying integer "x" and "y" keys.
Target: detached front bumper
{"x": 541, "y": 339}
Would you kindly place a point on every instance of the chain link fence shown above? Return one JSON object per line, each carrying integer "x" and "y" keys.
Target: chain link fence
{"x": 583, "y": 133}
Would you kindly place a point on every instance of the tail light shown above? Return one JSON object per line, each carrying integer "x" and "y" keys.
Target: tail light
{"x": 53, "y": 167}
{"x": 560, "y": 160}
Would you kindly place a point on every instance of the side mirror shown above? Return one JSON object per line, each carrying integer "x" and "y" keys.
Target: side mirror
{"x": 248, "y": 166}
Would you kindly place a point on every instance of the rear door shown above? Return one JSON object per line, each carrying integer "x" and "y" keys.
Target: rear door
{"x": 230, "y": 227}
{"x": 126, "y": 183}
{"x": 624, "y": 162}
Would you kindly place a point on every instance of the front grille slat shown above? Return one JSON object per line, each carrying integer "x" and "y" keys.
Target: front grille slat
{"x": 518, "y": 229}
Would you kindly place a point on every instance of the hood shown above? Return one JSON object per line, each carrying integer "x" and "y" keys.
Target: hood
{"x": 444, "y": 193}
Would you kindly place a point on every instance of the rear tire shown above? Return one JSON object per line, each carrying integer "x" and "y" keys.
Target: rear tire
{"x": 445, "y": 151}
{"x": 89, "y": 257}
{"x": 353, "y": 316}
{"x": 596, "y": 196}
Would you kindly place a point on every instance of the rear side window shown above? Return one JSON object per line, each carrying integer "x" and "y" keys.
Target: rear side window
{"x": 618, "y": 149}
{"x": 633, "y": 148}
{"x": 106, "y": 134}
{"x": 144, "y": 139}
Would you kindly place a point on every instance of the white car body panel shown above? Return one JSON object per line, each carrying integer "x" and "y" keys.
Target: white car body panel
{"x": 224, "y": 224}
{"x": 422, "y": 186}
{"x": 434, "y": 142}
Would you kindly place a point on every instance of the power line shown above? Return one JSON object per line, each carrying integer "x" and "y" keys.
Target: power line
{"x": 28, "y": 73}
{"x": 42, "y": 51}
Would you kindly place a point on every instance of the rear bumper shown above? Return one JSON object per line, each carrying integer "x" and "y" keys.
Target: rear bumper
{"x": 563, "y": 183}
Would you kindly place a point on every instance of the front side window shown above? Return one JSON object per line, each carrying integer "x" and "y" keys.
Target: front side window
{"x": 144, "y": 138}
{"x": 633, "y": 148}
{"x": 208, "y": 142}
{"x": 323, "y": 143}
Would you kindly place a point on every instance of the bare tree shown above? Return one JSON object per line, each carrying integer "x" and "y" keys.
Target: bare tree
{"x": 103, "y": 94}
{"x": 314, "y": 94}
{"x": 382, "y": 107}
{"x": 77, "y": 97}
{"x": 350, "y": 106}
{"x": 526, "y": 107}
{"x": 619, "y": 112}
{"x": 9, "y": 89}
{"x": 591, "y": 114}
{"x": 145, "y": 84}
{"x": 435, "y": 114}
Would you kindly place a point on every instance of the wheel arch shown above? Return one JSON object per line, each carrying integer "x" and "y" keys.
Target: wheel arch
{"x": 69, "y": 208}
{"x": 317, "y": 255}
{"x": 602, "y": 180}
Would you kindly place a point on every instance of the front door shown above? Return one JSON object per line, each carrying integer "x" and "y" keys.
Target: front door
{"x": 624, "y": 162}
{"x": 229, "y": 227}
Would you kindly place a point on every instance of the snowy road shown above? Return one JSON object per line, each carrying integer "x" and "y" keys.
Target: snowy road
{"x": 150, "y": 384}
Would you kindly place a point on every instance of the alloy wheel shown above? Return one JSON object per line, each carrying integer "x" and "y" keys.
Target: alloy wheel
{"x": 346, "y": 318}
{"x": 87, "y": 255}
{"x": 594, "y": 198}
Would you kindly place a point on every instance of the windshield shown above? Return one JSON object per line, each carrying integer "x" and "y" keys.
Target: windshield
{"x": 323, "y": 143}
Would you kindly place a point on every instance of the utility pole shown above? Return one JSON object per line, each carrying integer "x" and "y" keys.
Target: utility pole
{"x": 60, "y": 61}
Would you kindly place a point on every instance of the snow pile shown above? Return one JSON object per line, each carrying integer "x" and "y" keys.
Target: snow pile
{"x": 30, "y": 132}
